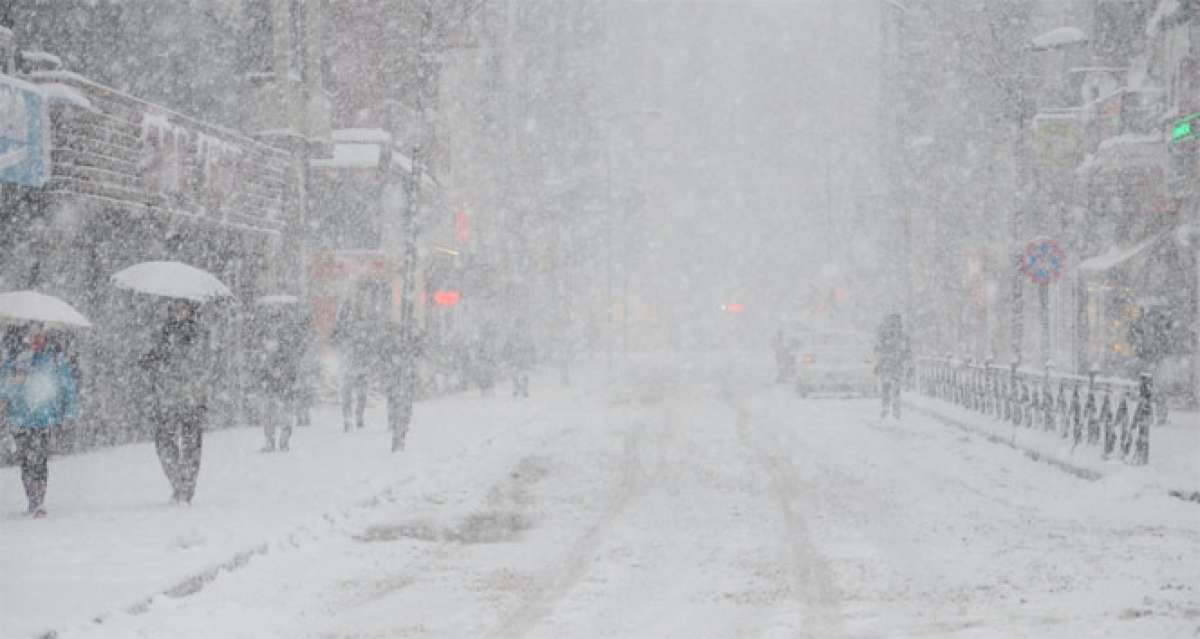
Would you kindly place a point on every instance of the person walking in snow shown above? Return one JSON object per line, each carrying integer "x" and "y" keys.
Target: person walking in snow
{"x": 309, "y": 373}
{"x": 180, "y": 373}
{"x": 520, "y": 354}
{"x": 893, "y": 356}
{"x": 282, "y": 353}
{"x": 401, "y": 351}
{"x": 352, "y": 339}
{"x": 38, "y": 392}
{"x": 483, "y": 361}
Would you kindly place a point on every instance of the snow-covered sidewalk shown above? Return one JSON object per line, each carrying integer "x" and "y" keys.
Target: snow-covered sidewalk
{"x": 112, "y": 539}
{"x": 1174, "y": 448}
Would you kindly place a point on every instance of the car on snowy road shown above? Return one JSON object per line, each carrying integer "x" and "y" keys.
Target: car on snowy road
{"x": 835, "y": 362}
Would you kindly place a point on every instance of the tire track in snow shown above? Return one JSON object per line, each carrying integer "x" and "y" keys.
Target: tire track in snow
{"x": 811, "y": 580}
{"x": 565, "y": 573}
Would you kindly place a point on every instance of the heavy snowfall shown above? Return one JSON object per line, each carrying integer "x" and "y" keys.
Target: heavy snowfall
{"x": 599, "y": 318}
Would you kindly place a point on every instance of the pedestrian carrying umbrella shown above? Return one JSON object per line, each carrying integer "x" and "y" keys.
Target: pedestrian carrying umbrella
{"x": 31, "y": 306}
{"x": 172, "y": 279}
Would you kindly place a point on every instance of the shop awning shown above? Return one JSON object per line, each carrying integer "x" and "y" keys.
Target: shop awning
{"x": 1117, "y": 256}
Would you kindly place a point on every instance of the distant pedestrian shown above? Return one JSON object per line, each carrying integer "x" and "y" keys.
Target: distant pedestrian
{"x": 281, "y": 355}
{"x": 483, "y": 361}
{"x": 309, "y": 373}
{"x": 180, "y": 372}
{"x": 401, "y": 353}
{"x": 520, "y": 353}
{"x": 38, "y": 392}
{"x": 353, "y": 339}
{"x": 893, "y": 356}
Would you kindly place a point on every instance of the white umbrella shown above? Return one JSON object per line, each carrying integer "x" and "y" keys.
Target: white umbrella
{"x": 31, "y": 306}
{"x": 172, "y": 279}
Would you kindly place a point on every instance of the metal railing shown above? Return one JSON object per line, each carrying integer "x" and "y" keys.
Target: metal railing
{"x": 1110, "y": 413}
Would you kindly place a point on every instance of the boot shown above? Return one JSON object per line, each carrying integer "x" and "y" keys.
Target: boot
{"x": 36, "y": 494}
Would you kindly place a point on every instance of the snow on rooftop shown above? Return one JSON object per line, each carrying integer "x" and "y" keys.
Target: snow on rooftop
{"x": 1131, "y": 138}
{"x": 1115, "y": 256}
{"x": 42, "y": 57}
{"x": 406, "y": 165}
{"x": 351, "y": 156}
{"x": 1059, "y": 37}
{"x": 56, "y": 92}
{"x": 378, "y": 136}
{"x": 59, "y": 74}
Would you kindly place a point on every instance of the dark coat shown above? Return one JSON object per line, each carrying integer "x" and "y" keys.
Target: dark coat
{"x": 355, "y": 338}
{"x": 893, "y": 352}
{"x": 180, "y": 369}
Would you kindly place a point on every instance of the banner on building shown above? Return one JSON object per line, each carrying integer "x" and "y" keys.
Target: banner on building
{"x": 24, "y": 149}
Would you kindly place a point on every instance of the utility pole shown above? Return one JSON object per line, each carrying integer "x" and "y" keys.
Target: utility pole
{"x": 425, "y": 94}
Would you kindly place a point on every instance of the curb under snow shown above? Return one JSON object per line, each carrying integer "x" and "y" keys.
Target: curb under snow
{"x": 1091, "y": 471}
{"x": 1032, "y": 453}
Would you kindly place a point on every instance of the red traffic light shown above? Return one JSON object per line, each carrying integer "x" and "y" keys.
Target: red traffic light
{"x": 736, "y": 309}
{"x": 446, "y": 298}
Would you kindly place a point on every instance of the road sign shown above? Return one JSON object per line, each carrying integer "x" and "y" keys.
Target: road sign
{"x": 1043, "y": 261}
{"x": 24, "y": 151}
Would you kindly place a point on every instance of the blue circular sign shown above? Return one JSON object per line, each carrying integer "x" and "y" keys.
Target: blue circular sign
{"x": 1044, "y": 261}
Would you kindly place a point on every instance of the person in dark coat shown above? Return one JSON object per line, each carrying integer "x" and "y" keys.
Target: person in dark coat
{"x": 353, "y": 340}
{"x": 483, "y": 361}
{"x": 180, "y": 372}
{"x": 520, "y": 354}
{"x": 282, "y": 355}
{"x": 308, "y": 375}
{"x": 38, "y": 392}
{"x": 893, "y": 355}
{"x": 401, "y": 352}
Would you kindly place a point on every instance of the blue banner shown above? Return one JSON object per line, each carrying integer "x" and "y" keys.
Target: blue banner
{"x": 24, "y": 122}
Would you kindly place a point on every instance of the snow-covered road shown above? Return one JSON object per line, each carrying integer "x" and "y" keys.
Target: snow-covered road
{"x": 699, "y": 501}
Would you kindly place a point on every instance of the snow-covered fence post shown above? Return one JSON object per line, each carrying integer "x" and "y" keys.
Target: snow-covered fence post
{"x": 964, "y": 383}
{"x": 1142, "y": 418}
{"x": 980, "y": 389}
{"x": 1075, "y": 429}
{"x": 1029, "y": 400}
{"x": 989, "y": 388}
{"x": 1062, "y": 406}
{"x": 1123, "y": 423}
{"x": 1048, "y": 400}
{"x": 1014, "y": 393}
{"x": 1106, "y": 425}
{"x": 1091, "y": 411}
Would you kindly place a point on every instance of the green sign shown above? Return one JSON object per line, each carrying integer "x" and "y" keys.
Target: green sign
{"x": 1183, "y": 129}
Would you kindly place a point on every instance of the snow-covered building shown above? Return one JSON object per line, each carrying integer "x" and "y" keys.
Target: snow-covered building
{"x": 1067, "y": 138}
{"x": 1105, "y": 116}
